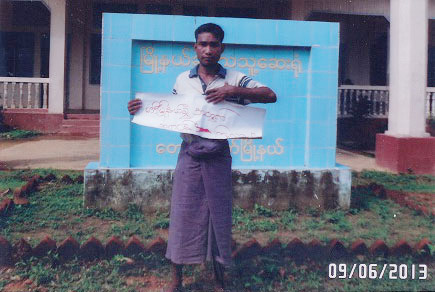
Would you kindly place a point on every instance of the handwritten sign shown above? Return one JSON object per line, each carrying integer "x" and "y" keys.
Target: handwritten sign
{"x": 191, "y": 114}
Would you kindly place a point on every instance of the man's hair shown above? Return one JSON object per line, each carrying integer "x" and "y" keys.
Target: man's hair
{"x": 212, "y": 28}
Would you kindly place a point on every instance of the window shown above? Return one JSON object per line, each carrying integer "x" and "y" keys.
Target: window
{"x": 27, "y": 13}
{"x": 17, "y": 50}
{"x": 431, "y": 67}
{"x": 95, "y": 59}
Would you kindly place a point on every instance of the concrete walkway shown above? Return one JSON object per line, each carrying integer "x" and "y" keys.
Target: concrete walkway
{"x": 60, "y": 152}
{"x": 55, "y": 152}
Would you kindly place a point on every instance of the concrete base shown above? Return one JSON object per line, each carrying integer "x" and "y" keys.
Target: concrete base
{"x": 275, "y": 189}
{"x": 406, "y": 154}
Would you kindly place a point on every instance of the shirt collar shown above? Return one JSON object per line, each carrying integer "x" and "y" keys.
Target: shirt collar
{"x": 222, "y": 72}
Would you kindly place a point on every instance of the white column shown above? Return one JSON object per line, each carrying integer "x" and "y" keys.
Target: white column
{"x": 56, "y": 90}
{"x": 408, "y": 67}
{"x": 76, "y": 75}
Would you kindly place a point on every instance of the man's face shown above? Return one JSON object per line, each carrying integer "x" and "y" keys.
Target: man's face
{"x": 208, "y": 49}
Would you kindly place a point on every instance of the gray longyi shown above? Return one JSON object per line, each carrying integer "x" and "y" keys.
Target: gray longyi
{"x": 201, "y": 208}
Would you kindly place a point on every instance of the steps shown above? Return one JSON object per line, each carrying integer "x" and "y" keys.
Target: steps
{"x": 84, "y": 125}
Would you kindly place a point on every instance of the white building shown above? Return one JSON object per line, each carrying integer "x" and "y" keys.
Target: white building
{"x": 50, "y": 53}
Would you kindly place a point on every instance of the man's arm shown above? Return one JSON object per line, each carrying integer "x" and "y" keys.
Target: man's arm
{"x": 255, "y": 95}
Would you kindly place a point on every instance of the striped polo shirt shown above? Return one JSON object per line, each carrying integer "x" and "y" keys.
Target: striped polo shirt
{"x": 189, "y": 82}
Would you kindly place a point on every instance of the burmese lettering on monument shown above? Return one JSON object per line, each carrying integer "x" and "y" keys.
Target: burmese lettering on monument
{"x": 151, "y": 63}
{"x": 244, "y": 148}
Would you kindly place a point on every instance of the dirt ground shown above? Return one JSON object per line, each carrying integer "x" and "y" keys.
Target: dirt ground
{"x": 59, "y": 152}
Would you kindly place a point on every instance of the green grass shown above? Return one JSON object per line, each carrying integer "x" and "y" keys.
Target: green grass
{"x": 263, "y": 211}
{"x": 15, "y": 134}
{"x": 57, "y": 209}
{"x": 104, "y": 275}
{"x": 49, "y": 208}
{"x": 338, "y": 220}
{"x": 402, "y": 182}
{"x": 161, "y": 220}
{"x": 263, "y": 274}
{"x": 10, "y": 182}
{"x": 258, "y": 220}
{"x": 3, "y": 283}
{"x": 287, "y": 219}
{"x": 330, "y": 220}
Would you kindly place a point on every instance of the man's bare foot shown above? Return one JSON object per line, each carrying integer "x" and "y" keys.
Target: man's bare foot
{"x": 219, "y": 273}
{"x": 220, "y": 289}
{"x": 176, "y": 284}
{"x": 173, "y": 288}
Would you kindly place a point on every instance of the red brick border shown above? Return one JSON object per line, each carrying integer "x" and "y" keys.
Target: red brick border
{"x": 93, "y": 249}
{"x": 402, "y": 198}
{"x": 21, "y": 194}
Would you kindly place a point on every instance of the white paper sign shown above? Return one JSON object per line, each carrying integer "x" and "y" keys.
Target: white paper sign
{"x": 193, "y": 115}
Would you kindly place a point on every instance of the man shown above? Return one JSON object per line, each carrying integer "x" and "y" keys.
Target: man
{"x": 201, "y": 204}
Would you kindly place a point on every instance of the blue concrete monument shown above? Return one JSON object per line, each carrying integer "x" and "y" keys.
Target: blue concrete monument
{"x": 293, "y": 165}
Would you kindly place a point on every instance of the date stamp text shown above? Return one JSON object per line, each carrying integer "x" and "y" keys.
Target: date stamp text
{"x": 378, "y": 271}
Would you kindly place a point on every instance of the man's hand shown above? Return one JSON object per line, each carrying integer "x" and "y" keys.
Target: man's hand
{"x": 219, "y": 94}
{"x": 134, "y": 106}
